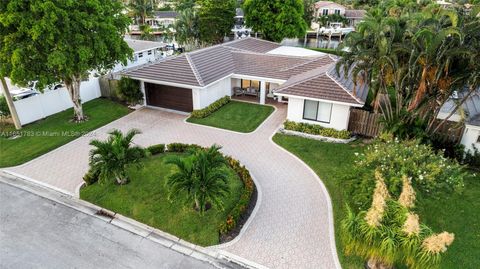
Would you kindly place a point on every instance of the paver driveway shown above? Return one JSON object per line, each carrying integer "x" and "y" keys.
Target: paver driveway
{"x": 293, "y": 225}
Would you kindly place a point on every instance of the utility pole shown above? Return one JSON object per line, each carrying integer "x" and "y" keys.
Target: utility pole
{"x": 11, "y": 106}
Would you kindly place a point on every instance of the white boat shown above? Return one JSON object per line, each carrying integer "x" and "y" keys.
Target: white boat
{"x": 335, "y": 29}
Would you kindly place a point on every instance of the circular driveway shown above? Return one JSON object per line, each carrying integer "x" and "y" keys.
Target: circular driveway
{"x": 292, "y": 226}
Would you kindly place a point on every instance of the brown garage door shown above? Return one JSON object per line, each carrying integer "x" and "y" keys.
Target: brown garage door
{"x": 169, "y": 97}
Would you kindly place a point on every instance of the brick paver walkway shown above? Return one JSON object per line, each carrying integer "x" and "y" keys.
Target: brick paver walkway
{"x": 293, "y": 225}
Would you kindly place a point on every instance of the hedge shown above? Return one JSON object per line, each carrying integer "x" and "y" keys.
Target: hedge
{"x": 315, "y": 129}
{"x": 205, "y": 112}
{"x": 156, "y": 149}
{"x": 237, "y": 212}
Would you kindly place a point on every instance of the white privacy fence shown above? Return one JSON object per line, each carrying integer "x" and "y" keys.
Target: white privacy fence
{"x": 50, "y": 102}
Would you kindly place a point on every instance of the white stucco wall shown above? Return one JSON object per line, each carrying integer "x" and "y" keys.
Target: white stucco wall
{"x": 470, "y": 136}
{"x": 338, "y": 119}
{"x": 212, "y": 93}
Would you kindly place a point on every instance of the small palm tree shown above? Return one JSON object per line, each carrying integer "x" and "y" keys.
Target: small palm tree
{"x": 201, "y": 178}
{"x": 110, "y": 158}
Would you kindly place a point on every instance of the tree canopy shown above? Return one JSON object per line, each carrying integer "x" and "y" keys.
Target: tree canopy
{"x": 216, "y": 19}
{"x": 276, "y": 19}
{"x": 51, "y": 41}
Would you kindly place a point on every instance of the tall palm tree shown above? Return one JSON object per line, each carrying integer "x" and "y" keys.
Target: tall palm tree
{"x": 187, "y": 31}
{"x": 200, "y": 179}
{"x": 110, "y": 158}
{"x": 141, "y": 9}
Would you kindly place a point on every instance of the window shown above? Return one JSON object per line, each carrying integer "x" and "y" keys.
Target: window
{"x": 325, "y": 12}
{"x": 250, "y": 83}
{"x": 140, "y": 55}
{"x": 337, "y": 11}
{"x": 317, "y": 111}
{"x": 149, "y": 52}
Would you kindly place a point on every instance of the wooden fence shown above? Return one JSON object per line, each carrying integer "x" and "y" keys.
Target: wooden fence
{"x": 368, "y": 124}
{"x": 364, "y": 123}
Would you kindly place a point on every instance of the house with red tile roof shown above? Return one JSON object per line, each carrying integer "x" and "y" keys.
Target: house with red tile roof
{"x": 263, "y": 70}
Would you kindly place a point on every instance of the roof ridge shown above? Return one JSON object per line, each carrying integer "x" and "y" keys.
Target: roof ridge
{"x": 305, "y": 79}
{"x": 305, "y": 63}
{"x": 309, "y": 58}
{"x": 343, "y": 87}
{"x": 194, "y": 70}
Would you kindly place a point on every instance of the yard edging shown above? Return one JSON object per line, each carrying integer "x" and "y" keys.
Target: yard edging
{"x": 212, "y": 256}
{"x": 331, "y": 231}
{"x": 282, "y": 130}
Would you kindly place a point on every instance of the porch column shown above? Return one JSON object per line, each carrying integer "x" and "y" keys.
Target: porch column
{"x": 263, "y": 89}
{"x": 142, "y": 89}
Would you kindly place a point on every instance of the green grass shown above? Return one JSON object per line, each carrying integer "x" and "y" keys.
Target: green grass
{"x": 45, "y": 135}
{"x": 144, "y": 198}
{"x": 237, "y": 116}
{"x": 455, "y": 213}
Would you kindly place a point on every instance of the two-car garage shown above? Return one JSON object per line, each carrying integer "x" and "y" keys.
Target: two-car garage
{"x": 169, "y": 97}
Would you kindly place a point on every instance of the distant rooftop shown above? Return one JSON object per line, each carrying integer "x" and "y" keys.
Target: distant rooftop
{"x": 143, "y": 45}
{"x": 165, "y": 14}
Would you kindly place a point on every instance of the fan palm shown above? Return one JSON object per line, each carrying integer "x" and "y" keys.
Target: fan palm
{"x": 111, "y": 157}
{"x": 141, "y": 9}
{"x": 201, "y": 178}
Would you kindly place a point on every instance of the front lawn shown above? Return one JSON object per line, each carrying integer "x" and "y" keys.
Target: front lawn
{"x": 236, "y": 116}
{"x": 54, "y": 131}
{"x": 457, "y": 213}
{"x": 144, "y": 199}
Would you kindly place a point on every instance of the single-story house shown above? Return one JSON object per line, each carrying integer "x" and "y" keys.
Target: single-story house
{"x": 262, "y": 69}
{"x": 469, "y": 113}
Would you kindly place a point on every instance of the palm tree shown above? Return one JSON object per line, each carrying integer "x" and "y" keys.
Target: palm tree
{"x": 187, "y": 31}
{"x": 110, "y": 158}
{"x": 200, "y": 179}
{"x": 141, "y": 9}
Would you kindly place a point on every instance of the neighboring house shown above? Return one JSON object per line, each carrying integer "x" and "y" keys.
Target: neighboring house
{"x": 162, "y": 19}
{"x": 470, "y": 113}
{"x": 143, "y": 52}
{"x": 254, "y": 67}
{"x": 325, "y": 8}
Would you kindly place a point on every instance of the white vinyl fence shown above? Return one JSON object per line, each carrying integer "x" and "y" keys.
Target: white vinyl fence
{"x": 50, "y": 102}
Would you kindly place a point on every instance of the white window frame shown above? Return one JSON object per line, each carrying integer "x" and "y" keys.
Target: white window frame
{"x": 337, "y": 11}
{"x": 140, "y": 54}
{"x": 323, "y": 12}
{"x": 316, "y": 112}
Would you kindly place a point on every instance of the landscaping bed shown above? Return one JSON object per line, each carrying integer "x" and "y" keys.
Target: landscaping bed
{"x": 145, "y": 199}
{"x": 456, "y": 212}
{"x": 54, "y": 131}
{"x": 236, "y": 116}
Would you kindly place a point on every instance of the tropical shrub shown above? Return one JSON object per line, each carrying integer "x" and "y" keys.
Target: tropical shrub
{"x": 472, "y": 158}
{"x": 129, "y": 91}
{"x": 156, "y": 149}
{"x": 91, "y": 177}
{"x": 430, "y": 171}
{"x": 315, "y": 129}
{"x": 390, "y": 233}
{"x": 181, "y": 147}
{"x": 111, "y": 157}
{"x": 205, "y": 112}
{"x": 200, "y": 179}
{"x": 238, "y": 212}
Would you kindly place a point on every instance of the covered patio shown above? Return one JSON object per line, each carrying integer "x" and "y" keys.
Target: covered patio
{"x": 254, "y": 90}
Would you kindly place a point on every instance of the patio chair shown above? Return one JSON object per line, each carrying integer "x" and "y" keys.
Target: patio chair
{"x": 251, "y": 91}
{"x": 238, "y": 91}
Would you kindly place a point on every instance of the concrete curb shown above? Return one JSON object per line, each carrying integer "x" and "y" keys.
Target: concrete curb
{"x": 218, "y": 258}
